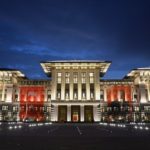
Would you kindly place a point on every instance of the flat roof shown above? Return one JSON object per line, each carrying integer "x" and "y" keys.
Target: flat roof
{"x": 136, "y": 71}
{"x": 13, "y": 71}
{"x": 102, "y": 65}
{"x": 77, "y": 61}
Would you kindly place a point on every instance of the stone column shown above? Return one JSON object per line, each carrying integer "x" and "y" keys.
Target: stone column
{"x": 105, "y": 94}
{"x": 142, "y": 93}
{"x": 54, "y": 83}
{"x": 63, "y": 85}
{"x": 79, "y": 85}
{"x": 82, "y": 113}
{"x": 18, "y": 92}
{"x": 118, "y": 95}
{"x": 125, "y": 93}
{"x": 56, "y": 113}
{"x": 95, "y": 114}
{"x": 88, "y": 96}
{"x": 71, "y": 85}
{"x": 97, "y": 85}
{"x": 45, "y": 95}
{"x": 148, "y": 92}
{"x": 132, "y": 93}
{"x": 69, "y": 113}
{"x": 3, "y": 91}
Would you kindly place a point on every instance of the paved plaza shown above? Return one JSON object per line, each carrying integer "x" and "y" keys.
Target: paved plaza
{"x": 48, "y": 136}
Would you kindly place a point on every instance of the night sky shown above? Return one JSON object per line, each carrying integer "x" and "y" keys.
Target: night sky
{"x": 38, "y": 30}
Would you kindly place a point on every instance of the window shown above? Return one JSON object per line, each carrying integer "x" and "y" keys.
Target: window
{"x": 42, "y": 109}
{"x": 48, "y": 95}
{"x": 83, "y": 74}
{"x": 67, "y": 77}
{"x": 16, "y": 97}
{"x": 4, "y": 107}
{"x": 67, "y": 91}
{"x": 15, "y": 108}
{"x": 48, "y": 109}
{"x": 75, "y": 95}
{"x": 75, "y": 77}
{"x": 91, "y": 75}
{"x": 91, "y": 91}
{"x": 83, "y": 91}
{"x": 59, "y": 74}
{"x": 83, "y": 77}
{"x": 58, "y": 95}
{"x": 92, "y": 95}
{"x": 102, "y": 94}
{"x": 59, "y": 77}
{"x": 67, "y": 95}
{"x": 58, "y": 91}
{"x": 75, "y": 90}
{"x": 136, "y": 108}
{"x": 135, "y": 97}
{"x": 83, "y": 95}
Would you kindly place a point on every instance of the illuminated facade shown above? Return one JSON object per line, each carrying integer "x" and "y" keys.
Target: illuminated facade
{"x": 75, "y": 92}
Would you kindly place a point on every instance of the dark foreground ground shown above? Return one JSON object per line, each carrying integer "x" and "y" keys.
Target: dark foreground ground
{"x": 74, "y": 137}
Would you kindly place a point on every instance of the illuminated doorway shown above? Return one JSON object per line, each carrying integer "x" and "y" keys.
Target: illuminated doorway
{"x": 62, "y": 113}
{"x": 75, "y": 113}
{"x": 88, "y": 113}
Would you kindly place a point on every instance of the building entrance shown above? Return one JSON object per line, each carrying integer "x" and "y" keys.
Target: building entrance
{"x": 88, "y": 113}
{"x": 75, "y": 113}
{"x": 62, "y": 113}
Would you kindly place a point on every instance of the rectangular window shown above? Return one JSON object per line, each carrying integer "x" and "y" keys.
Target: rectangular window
{"x": 49, "y": 97}
{"x": 91, "y": 91}
{"x": 58, "y": 91}
{"x": 91, "y": 75}
{"x": 135, "y": 97}
{"x": 4, "y": 107}
{"x": 83, "y": 91}
{"x": 16, "y": 97}
{"x": 83, "y": 74}
{"x": 48, "y": 108}
{"x": 67, "y": 77}
{"x": 75, "y": 91}
{"x": 15, "y": 108}
{"x": 102, "y": 95}
{"x": 59, "y": 77}
{"x": 83, "y": 77}
{"x": 75, "y": 77}
{"x": 58, "y": 95}
{"x": 67, "y": 91}
{"x": 136, "y": 108}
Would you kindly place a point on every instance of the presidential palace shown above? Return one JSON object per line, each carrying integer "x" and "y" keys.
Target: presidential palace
{"x": 75, "y": 92}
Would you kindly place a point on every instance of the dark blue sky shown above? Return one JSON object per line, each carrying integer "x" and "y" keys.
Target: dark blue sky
{"x": 38, "y": 30}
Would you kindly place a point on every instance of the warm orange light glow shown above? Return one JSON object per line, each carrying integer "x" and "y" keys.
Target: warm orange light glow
{"x": 114, "y": 91}
{"x": 32, "y": 99}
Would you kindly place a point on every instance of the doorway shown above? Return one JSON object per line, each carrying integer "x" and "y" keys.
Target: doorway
{"x": 62, "y": 113}
{"x": 75, "y": 113}
{"x": 88, "y": 113}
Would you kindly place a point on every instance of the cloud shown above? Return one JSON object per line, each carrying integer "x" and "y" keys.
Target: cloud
{"x": 31, "y": 31}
